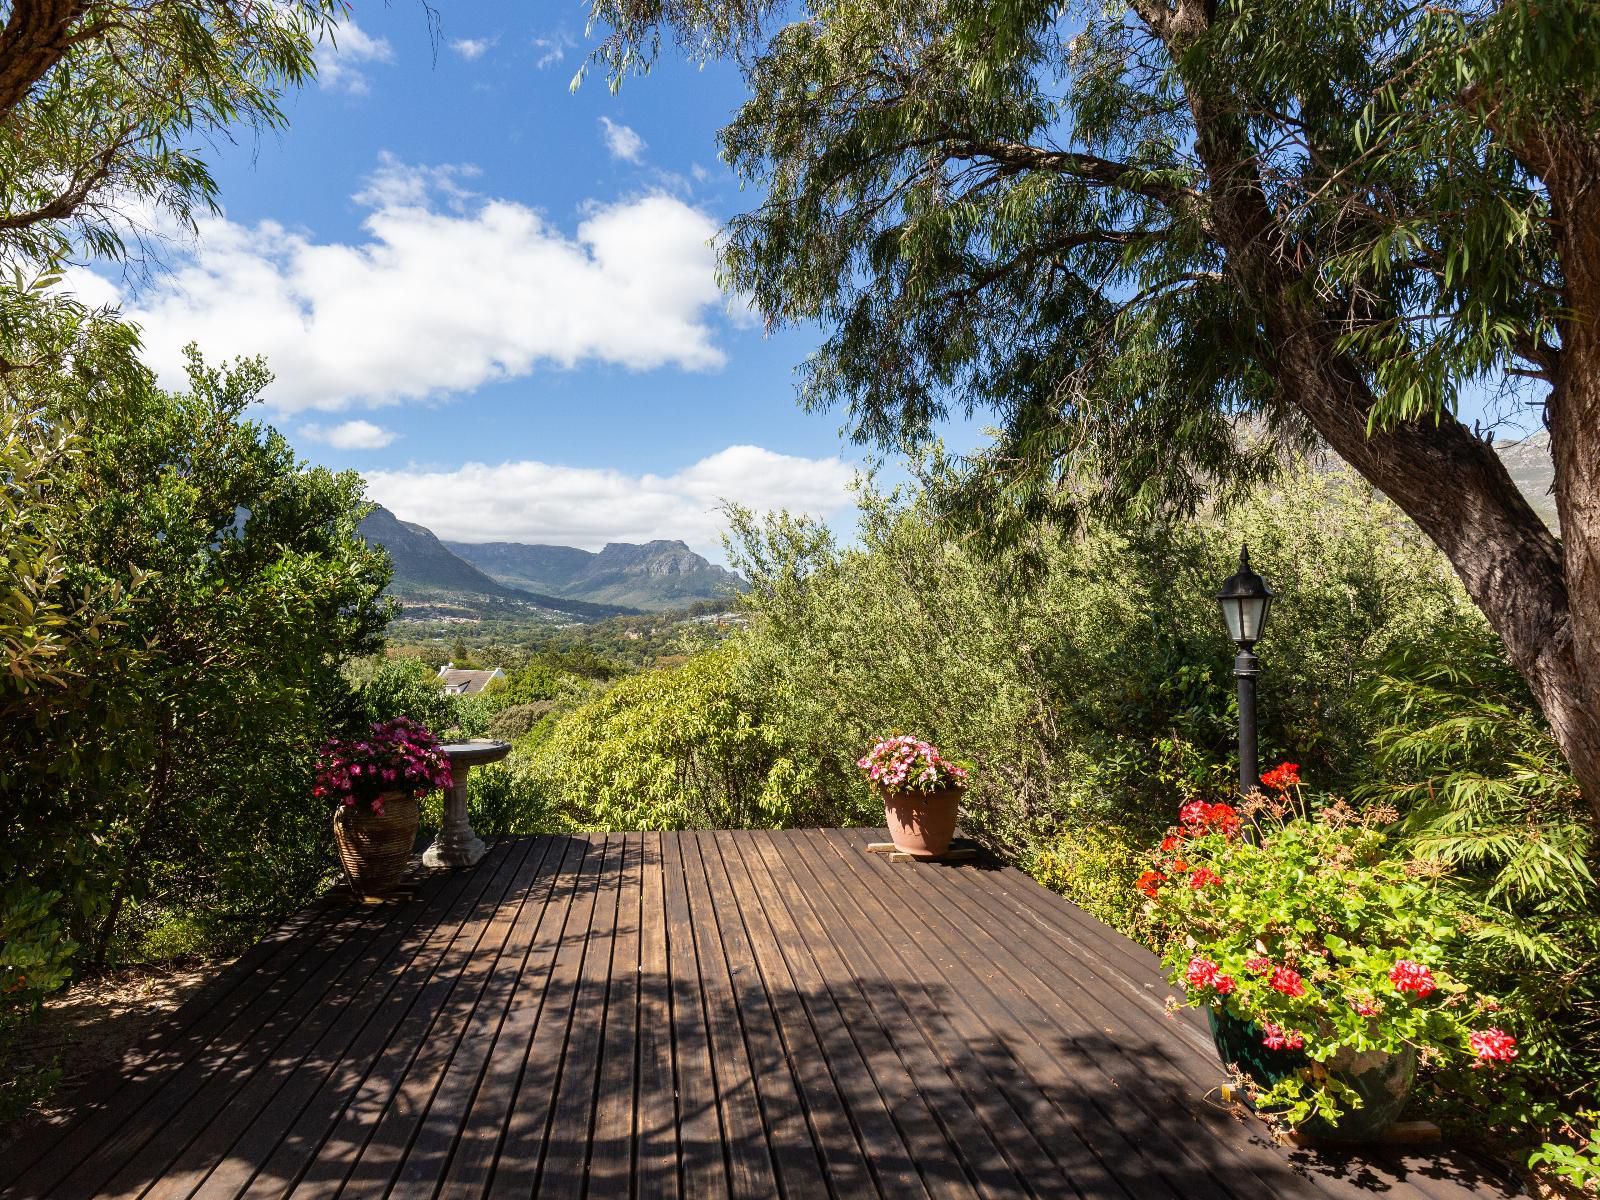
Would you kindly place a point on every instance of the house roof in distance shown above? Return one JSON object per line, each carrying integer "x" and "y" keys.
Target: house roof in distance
{"x": 466, "y": 683}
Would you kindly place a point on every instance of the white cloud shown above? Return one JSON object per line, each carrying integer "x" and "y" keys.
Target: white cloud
{"x": 472, "y": 49}
{"x": 339, "y": 58}
{"x": 573, "y": 506}
{"x": 351, "y": 435}
{"x": 439, "y": 298}
{"x": 552, "y": 49}
{"x": 623, "y": 142}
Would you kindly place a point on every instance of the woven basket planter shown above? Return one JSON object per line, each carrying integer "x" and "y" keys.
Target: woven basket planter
{"x": 374, "y": 850}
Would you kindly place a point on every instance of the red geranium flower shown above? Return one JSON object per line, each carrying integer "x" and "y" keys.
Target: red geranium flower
{"x": 1169, "y": 843}
{"x": 1203, "y": 972}
{"x": 1287, "y": 981}
{"x": 1408, "y": 976}
{"x": 1282, "y": 777}
{"x": 1258, "y": 964}
{"x": 1275, "y": 1037}
{"x": 1203, "y": 877}
{"x": 1493, "y": 1045}
{"x": 1150, "y": 882}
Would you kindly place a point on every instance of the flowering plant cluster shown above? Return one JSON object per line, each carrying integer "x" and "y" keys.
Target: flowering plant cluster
{"x": 1308, "y": 928}
{"x": 906, "y": 764}
{"x": 395, "y": 756}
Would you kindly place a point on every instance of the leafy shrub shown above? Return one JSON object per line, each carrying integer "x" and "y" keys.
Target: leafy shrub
{"x": 402, "y": 687}
{"x": 687, "y": 747}
{"x": 505, "y": 798}
{"x": 1088, "y": 678}
{"x": 518, "y": 720}
{"x": 1095, "y": 866}
{"x": 1463, "y": 754}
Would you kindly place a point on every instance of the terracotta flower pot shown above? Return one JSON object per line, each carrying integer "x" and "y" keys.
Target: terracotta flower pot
{"x": 1383, "y": 1081}
{"x": 373, "y": 849}
{"x": 922, "y": 823}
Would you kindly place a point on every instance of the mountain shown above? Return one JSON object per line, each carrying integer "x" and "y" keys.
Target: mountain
{"x": 431, "y": 581}
{"x": 1532, "y": 471}
{"x": 655, "y": 576}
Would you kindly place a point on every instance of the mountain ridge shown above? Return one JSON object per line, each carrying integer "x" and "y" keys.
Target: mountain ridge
{"x": 654, "y": 576}
{"x": 428, "y": 575}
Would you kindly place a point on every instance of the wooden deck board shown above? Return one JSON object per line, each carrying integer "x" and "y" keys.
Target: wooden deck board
{"x": 735, "y": 1014}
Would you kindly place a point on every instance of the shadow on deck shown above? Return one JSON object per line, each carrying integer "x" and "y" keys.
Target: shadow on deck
{"x": 738, "y": 1014}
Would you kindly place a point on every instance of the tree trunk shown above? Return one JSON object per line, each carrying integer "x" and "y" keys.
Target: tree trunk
{"x": 1541, "y": 596}
{"x": 1572, "y": 175}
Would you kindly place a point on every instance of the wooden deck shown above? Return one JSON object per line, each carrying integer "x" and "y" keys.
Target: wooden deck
{"x": 720, "y": 1014}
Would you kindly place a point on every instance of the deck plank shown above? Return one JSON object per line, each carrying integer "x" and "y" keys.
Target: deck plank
{"x": 516, "y": 1170}
{"x": 702, "y": 1160}
{"x": 727, "y": 1015}
{"x": 477, "y": 1147}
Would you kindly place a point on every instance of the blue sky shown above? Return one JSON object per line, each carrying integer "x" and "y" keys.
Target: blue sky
{"x": 493, "y": 296}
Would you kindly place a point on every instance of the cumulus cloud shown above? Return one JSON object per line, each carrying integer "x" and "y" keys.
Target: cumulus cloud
{"x": 341, "y": 56}
{"x": 471, "y": 49}
{"x": 350, "y": 435}
{"x": 575, "y": 506}
{"x": 446, "y": 291}
{"x": 622, "y": 142}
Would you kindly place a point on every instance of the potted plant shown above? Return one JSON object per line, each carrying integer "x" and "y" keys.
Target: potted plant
{"x": 373, "y": 783}
{"x": 1319, "y": 955}
{"x": 921, "y": 793}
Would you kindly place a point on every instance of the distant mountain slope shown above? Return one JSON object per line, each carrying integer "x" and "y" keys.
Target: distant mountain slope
{"x": 655, "y": 576}
{"x": 1533, "y": 472}
{"x": 426, "y": 573}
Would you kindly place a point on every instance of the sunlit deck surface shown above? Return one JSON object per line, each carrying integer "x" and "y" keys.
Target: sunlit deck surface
{"x": 720, "y": 1014}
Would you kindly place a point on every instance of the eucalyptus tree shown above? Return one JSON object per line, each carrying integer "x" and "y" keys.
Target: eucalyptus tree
{"x": 1130, "y": 230}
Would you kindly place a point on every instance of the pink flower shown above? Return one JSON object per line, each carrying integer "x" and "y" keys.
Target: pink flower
{"x": 1287, "y": 981}
{"x": 1275, "y": 1037}
{"x": 1408, "y": 976}
{"x": 1493, "y": 1045}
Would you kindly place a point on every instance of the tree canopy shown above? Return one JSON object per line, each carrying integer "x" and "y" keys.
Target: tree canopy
{"x": 101, "y": 100}
{"x": 1162, "y": 243}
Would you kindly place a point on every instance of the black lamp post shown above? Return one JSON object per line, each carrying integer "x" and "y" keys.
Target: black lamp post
{"x": 1245, "y": 599}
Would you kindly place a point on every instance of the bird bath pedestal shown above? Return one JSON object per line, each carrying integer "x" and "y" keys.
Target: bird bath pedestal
{"x": 457, "y": 845}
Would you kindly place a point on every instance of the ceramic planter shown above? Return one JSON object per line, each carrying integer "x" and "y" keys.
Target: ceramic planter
{"x": 374, "y": 850}
{"x": 922, "y": 823}
{"x": 1382, "y": 1080}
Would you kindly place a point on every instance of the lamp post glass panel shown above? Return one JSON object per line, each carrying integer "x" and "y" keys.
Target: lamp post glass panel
{"x": 1245, "y": 599}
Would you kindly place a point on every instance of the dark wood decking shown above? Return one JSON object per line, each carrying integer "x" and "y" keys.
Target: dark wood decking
{"x": 690, "y": 1015}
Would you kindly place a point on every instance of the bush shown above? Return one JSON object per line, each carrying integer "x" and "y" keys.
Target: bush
{"x": 1088, "y": 678}
{"x": 1463, "y": 754}
{"x": 518, "y": 720}
{"x": 681, "y": 748}
{"x": 1095, "y": 866}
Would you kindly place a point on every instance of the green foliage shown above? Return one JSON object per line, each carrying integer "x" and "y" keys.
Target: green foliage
{"x": 243, "y": 587}
{"x": 1463, "y": 754}
{"x": 1095, "y": 867}
{"x": 1097, "y": 685}
{"x": 1316, "y": 931}
{"x": 517, "y": 721}
{"x": 402, "y": 686}
{"x": 685, "y": 747}
{"x": 100, "y": 103}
